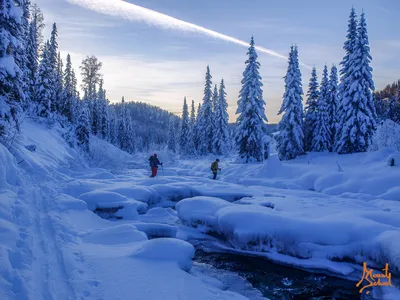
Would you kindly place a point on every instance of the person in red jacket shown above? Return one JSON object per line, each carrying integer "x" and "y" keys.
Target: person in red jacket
{"x": 154, "y": 163}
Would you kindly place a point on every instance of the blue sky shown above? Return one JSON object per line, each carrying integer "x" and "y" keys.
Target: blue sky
{"x": 144, "y": 62}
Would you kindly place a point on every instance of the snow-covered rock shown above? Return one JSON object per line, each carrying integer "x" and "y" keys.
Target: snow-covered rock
{"x": 166, "y": 249}
{"x": 200, "y": 211}
{"x": 394, "y": 160}
{"x": 127, "y": 208}
{"x": 140, "y": 193}
{"x": 120, "y": 234}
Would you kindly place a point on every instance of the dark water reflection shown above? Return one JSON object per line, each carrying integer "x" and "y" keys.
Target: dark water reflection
{"x": 281, "y": 282}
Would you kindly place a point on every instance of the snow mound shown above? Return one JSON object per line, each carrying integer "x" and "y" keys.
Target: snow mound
{"x": 166, "y": 249}
{"x": 103, "y": 199}
{"x": 77, "y": 188}
{"x": 121, "y": 234}
{"x": 159, "y": 215}
{"x": 228, "y": 192}
{"x": 113, "y": 203}
{"x": 159, "y": 212}
{"x": 175, "y": 191}
{"x": 390, "y": 247}
{"x": 140, "y": 193}
{"x": 108, "y": 199}
{"x": 200, "y": 211}
{"x": 272, "y": 167}
{"x": 65, "y": 202}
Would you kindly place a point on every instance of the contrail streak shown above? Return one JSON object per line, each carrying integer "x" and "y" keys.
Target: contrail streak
{"x": 133, "y": 12}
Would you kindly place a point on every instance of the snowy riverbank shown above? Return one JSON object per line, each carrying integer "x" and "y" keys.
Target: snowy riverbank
{"x": 305, "y": 214}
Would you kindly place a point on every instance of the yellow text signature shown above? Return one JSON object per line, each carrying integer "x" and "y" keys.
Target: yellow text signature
{"x": 379, "y": 279}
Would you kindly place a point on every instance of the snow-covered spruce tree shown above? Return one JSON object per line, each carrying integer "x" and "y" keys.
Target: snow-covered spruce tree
{"x": 358, "y": 117}
{"x": 215, "y": 99}
{"x": 333, "y": 104}
{"x": 69, "y": 91}
{"x": 311, "y": 110}
{"x": 53, "y": 50}
{"x": 192, "y": 125}
{"x": 290, "y": 139}
{"x": 177, "y": 127}
{"x": 215, "y": 103}
{"x": 192, "y": 115}
{"x": 26, "y": 16}
{"x": 96, "y": 118}
{"x": 393, "y": 110}
{"x": 11, "y": 82}
{"x": 112, "y": 126}
{"x": 82, "y": 130}
{"x": 322, "y": 133}
{"x": 196, "y": 134}
{"x": 250, "y": 126}
{"x": 124, "y": 128}
{"x": 103, "y": 111}
{"x": 59, "y": 85}
{"x": 86, "y": 100}
{"x": 394, "y": 107}
{"x": 53, "y": 62}
{"x": 221, "y": 139}
{"x": 33, "y": 46}
{"x": 44, "y": 90}
{"x": 346, "y": 63}
{"x": 130, "y": 133}
{"x": 21, "y": 57}
{"x": 205, "y": 129}
{"x": 171, "y": 144}
{"x": 76, "y": 100}
{"x": 185, "y": 145}
{"x": 389, "y": 109}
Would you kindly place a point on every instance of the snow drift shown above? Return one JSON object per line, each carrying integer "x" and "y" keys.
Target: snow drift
{"x": 351, "y": 236}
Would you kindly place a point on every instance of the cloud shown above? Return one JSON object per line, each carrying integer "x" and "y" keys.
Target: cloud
{"x": 134, "y": 12}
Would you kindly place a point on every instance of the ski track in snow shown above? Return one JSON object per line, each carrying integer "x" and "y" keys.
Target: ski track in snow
{"x": 57, "y": 282}
{"x": 50, "y": 279}
{"x": 20, "y": 259}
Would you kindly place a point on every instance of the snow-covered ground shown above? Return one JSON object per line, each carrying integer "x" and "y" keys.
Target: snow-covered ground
{"x": 321, "y": 212}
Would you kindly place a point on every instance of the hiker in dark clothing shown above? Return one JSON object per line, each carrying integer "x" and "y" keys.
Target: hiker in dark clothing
{"x": 214, "y": 168}
{"x": 154, "y": 163}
